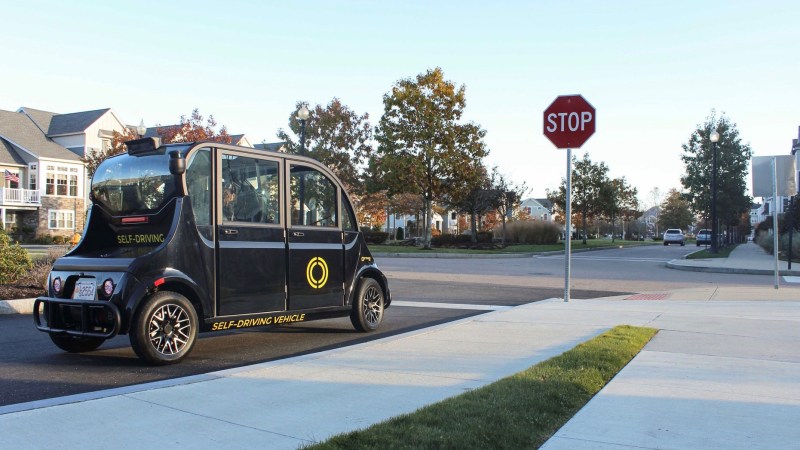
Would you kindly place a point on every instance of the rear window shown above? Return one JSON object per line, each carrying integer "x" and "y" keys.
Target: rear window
{"x": 127, "y": 185}
{"x": 673, "y": 231}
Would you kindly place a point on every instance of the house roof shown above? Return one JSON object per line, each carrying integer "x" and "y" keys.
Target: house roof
{"x": 20, "y": 130}
{"x": 545, "y": 202}
{"x": 41, "y": 118}
{"x": 9, "y": 153}
{"x": 73, "y": 123}
{"x": 272, "y": 146}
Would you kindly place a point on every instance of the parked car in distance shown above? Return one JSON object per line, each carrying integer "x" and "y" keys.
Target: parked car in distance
{"x": 674, "y": 236}
{"x": 704, "y": 237}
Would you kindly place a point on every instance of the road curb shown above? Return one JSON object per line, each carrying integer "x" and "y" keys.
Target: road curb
{"x": 732, "y": 270}
{"x": 21, "y": 306}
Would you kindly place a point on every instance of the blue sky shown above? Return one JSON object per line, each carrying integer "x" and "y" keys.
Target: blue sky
{"x": 653, "y": 71}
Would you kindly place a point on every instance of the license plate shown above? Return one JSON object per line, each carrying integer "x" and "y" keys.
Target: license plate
{"x": 84, "y": 290}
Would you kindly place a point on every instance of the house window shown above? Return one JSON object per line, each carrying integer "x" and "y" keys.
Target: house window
{"x": 32, "y": 180}
{"x": 60, "y": 180}
{"x": 105, "y": 145}
{"x": 60, "y": 219}
{"x": 453, "y": 215}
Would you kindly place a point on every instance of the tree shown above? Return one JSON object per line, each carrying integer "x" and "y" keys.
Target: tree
{"x": 422, "y": 145}
{"x": 194, "y": 130}
{"x": 656, "y": 197}
{"x": 675, "y": 212}
{"x": 588, "y": 181}
{"x": 507, "y": 196}
{"x": 733, "y": 160}
{"x": 336, "y": 136}
{"x": 473, "y": 195}
{"x": 619, "y": 200}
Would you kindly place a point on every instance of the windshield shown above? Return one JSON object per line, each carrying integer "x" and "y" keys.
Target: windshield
{"x": 126, "y": 185}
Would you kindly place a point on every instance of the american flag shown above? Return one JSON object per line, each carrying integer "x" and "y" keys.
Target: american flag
{"x": 12, "y": 176}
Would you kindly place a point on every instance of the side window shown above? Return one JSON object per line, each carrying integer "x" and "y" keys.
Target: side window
{"x": 348, "y": 218}
{"x": 313, "y": 198}
{"x": 250, "y": 190}
{"x": 198, "y": 183}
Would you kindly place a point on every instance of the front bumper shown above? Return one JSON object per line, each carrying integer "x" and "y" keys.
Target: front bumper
{"x": 90, "y": 318}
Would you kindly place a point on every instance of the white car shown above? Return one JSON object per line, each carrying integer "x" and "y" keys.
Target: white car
{"x": 674, "y": 236}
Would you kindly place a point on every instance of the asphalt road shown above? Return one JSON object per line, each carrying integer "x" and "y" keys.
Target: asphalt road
{"x": 33, "y": 368}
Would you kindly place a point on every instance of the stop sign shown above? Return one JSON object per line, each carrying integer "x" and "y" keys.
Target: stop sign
{"x": 569, "y": 121}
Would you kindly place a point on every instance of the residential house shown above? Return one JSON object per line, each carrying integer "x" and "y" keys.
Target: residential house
{"x": 45, "y": 186}
{"x": 272, "y": 146}
{"x": 537, "y": 208}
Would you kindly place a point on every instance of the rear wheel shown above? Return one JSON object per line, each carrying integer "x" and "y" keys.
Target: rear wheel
{"x": 165, "y": 329}
{"x": 367, "y": 311}
{"x": 76, "y": 344}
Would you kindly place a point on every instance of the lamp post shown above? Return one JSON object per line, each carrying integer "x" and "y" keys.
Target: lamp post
{"x": 302, "y": 116}
{"x": 141, "y": 129}
{"x": 714, "y": 139}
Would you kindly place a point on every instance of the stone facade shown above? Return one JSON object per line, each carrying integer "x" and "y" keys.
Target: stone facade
{"x": 74, "y": 204}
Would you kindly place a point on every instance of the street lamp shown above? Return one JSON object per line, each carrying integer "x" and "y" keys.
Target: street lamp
{"x": 302, "y": 116}
{"x": 714, "y": 139}
{"x": 141, "y": 129}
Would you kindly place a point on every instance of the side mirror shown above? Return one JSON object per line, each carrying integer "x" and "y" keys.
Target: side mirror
{"x": 177, "y": 165}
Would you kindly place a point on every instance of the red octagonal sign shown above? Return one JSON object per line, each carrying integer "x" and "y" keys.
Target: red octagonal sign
{"x": 569, "y": 121}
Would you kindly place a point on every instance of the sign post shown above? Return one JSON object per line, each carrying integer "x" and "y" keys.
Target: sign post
{"x": 569, "y": 122}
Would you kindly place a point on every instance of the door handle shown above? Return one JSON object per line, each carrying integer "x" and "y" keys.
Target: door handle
{"x": 230, "y": 231}
{"x": 298, "y": 234}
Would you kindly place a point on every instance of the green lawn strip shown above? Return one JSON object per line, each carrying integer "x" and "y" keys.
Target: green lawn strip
{"x": 522, "y": 248}
{"x": 520, "y": 411}
{"x": 722, "y": 252}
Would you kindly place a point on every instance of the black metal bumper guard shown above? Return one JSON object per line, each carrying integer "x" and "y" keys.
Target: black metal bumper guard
{"x": 54, "y": 304}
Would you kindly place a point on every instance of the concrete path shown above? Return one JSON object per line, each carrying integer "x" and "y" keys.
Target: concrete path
{"x": 722, "y": 373}
{"x": 746, "y": 258}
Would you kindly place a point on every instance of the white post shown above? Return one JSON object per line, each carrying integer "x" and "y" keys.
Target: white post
{"x": 775, "y": 216}
{"x": 568, "y": 233}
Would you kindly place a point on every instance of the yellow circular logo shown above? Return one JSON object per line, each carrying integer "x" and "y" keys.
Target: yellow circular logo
{"x": 317, "y": 280}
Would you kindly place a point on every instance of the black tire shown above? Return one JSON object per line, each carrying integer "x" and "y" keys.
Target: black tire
{"x": 76, "y": 344}
{"x": 367, "y": 311}
{"x": 682, "y": 244}
{"x": 666, "y": 243}
{"x": 165, "y": 328}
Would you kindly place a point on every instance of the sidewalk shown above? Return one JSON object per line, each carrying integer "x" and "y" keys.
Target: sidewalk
{"x": 722, "y": 373}
{"x": 747, "y": 258}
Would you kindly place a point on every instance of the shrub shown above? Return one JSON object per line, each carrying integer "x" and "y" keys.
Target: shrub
{"x": 14, "y": 260}
{"x": 784, "y": 244}
{"x": 533, "y": 232}
{"x": 399, "y": 235}
{"x": 43, "y": 239}
{"x": 451, "y": 240}
{"x": 375, "y": 237}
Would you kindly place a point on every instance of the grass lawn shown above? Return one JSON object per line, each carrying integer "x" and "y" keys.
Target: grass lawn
{"x": 521, "y": 411}
{"x": 522, "y": 248}
{"x": 722, "y": 252}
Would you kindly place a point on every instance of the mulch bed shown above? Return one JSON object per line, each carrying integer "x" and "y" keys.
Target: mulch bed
{"x": 16, "y": 291}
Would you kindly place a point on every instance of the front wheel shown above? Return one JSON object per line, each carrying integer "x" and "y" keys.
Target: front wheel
{"x": 76, "y": 344}
{"x": 666, "y": 243}
{"x": 165, "y": 329}
{"x": 367, "y": 311}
